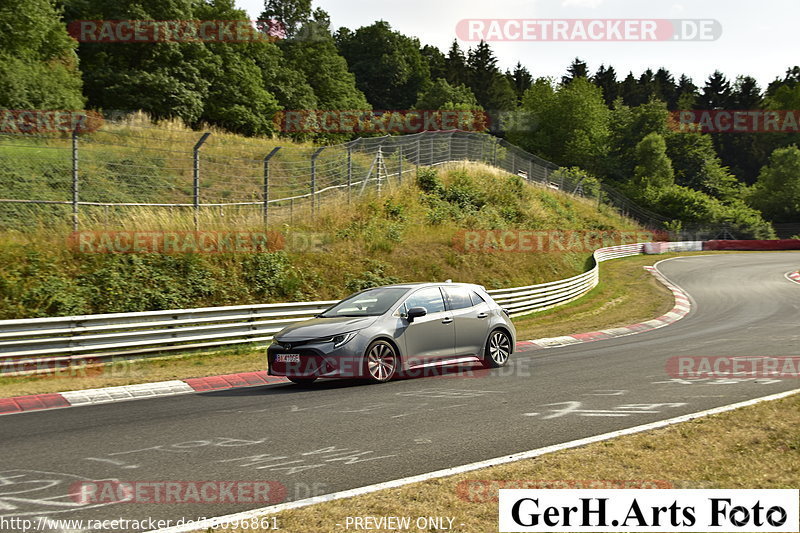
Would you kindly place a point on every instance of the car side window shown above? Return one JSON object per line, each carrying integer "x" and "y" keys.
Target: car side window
{"x": 429, "y": 298}
{"x": 476, "y": 298}
{"x": 458, "y": 298}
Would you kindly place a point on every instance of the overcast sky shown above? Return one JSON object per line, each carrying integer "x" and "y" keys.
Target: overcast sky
{"x": 758, "y": 38}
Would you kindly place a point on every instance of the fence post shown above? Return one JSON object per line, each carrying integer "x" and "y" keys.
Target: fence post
{"x": 349, "y": 172}
{"x": 419, "y": 141}
{"x": 314, "y": 179}
{"x": 450, "y": 147}
{"x": 379, "y": 163}
{"x": 266, "y": 183}
{"x": 400, "y": 164}
{"x": 75, "y": 183}
{"x": 494, "y": 153}
{"x": 430, "y": 159}
{"x": 196, "y": 178}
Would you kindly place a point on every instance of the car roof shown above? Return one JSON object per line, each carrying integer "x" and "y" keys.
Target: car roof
{"x": 420, "y": 284}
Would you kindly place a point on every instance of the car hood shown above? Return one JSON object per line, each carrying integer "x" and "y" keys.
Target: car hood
{"x": 323, "y": 327}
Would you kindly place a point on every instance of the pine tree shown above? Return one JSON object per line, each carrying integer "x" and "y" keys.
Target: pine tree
{"x": 456, "y": 65}
{"x": 606, "y": 79}
{"x": 577, "y": 69}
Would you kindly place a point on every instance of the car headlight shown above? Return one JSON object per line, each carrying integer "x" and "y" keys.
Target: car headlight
{"x": 341, "y": 339}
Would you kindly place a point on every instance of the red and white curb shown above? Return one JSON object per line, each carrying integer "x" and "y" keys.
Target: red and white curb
{"x": 39, "y": 402}
{"x": 682, "y": 308}
{"x": 793, "y": 276}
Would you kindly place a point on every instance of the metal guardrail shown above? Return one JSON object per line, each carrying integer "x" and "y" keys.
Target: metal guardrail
{"x": 47, "y": 344}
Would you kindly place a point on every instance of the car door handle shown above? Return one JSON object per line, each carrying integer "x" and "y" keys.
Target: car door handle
{"x": 482, "y": 315}
{"x": 447, "y": 320}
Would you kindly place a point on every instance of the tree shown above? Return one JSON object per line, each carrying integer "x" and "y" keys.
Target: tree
{"x": 686, "y": 93}
{"x": 38, "y": 63}
{"x": 437, "y": 62}
{"x": 777, "y": 191}
{"x": 442, "y": 95}
{"x": 325, "y": 70}
{"x": 653, "y": 166}
{"x": 716, "y": 93}
{"x": 628, "y": 126}
{"x": 165, "y": 79}
{"x": 577, "y": 69}
{"x": 482, "y": 68}
{"x": 744, "y": 153}
{"x": 572, "y": 124}
{"x": 746, "y": 93}
{"x": 456, "y": 65}
{"x": 388, "y": 65}
{"x": 292, "y": 14}
{"x": 606, "y": 79}
{"x": 791, "y": 80}
{"x": 647, "y": 86}
{"x": 665, "y": 88}
{"x": 521, "y": 79}
{"x": 630, "y": 91}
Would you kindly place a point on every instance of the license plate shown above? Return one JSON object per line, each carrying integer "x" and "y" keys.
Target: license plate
{"x": 287, "y": 358}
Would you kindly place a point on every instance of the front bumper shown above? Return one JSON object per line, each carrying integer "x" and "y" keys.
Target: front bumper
{"x": 315, "y": 362}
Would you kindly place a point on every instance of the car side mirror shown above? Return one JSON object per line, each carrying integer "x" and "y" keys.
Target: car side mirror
{"x": 416, "y": 312}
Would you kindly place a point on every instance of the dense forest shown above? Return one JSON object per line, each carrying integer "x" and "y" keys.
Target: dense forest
{"x": 612, "y": 125}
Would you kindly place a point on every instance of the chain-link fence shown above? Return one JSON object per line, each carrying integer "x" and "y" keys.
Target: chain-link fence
{"x": 94, "y": 179}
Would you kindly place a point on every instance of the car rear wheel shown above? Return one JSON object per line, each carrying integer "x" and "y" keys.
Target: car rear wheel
{"x": 380, "y": 362}
{"x": 301, "y": 381}
{"x": 498, "y": 349}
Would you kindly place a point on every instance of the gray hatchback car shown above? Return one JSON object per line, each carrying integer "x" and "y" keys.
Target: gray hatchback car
{"x": 379, "y": 333}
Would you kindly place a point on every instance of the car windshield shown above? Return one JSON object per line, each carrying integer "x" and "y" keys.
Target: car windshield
{"x": 372, "y": 302}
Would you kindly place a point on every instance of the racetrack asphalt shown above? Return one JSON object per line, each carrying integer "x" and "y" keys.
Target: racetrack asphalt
{"x": 338, "y": 435}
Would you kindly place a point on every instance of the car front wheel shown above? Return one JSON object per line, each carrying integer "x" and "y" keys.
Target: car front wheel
{"x": 498, "y": 349}
{"x": 380, "y": 362}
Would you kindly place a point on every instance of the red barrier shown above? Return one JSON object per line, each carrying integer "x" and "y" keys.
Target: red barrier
{"x": 781, "y": 244}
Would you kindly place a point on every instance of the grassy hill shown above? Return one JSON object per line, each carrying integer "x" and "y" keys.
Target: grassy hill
{"x": 405, "y": 234}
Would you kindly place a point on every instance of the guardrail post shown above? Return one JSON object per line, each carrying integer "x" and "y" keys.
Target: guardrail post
{"x": 266, "y": 183}
{"x": 75, "y": 183}
{"x": 530, "y": 170}
{"x": 314, "y": 180}
{"x": 196, "y": 178}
